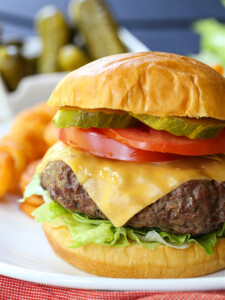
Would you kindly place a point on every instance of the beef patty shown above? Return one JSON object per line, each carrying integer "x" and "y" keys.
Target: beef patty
{"x": 195, "y": 207}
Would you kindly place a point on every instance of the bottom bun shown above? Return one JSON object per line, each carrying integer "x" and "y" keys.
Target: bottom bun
{"x": 136, "y": 261}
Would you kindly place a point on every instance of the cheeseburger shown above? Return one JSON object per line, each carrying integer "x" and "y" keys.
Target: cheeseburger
{"x": 135, "y": 188}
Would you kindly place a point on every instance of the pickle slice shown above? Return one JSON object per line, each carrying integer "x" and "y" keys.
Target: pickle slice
{"x": 202, "y": 128}
{"x": 97, "y": 26}
{"x": 54, "y": 33}
{"x": 192, "y": 128}
{"x": 85, "y": 119}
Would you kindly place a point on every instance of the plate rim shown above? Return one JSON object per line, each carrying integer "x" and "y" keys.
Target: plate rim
{"x": 116, "y": 284}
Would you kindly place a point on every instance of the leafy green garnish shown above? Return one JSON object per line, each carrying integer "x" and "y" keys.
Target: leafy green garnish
{"x": 212, "y": 35}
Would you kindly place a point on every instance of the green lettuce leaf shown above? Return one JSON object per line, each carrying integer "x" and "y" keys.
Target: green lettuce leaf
{"x": 35, "y": 188}
{"x": 85, "y": 230}
{"x": 212, "y": 35}
{"x": 208, "y": 241}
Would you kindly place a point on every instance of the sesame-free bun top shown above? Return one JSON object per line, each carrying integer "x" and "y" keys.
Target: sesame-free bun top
{"x": 153, "y": 83}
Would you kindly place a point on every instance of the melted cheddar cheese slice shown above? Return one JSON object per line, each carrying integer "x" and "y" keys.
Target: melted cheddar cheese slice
{"x": 121, "y": 189}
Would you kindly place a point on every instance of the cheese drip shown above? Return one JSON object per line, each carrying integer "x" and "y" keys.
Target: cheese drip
{"x": 122, "y": 189}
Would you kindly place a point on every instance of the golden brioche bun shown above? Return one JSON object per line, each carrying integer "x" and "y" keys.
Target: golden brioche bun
{"x": 135, "y": 261}
{"x": 154, "y": 83}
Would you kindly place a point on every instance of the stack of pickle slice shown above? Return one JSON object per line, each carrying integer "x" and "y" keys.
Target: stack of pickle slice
{"x": 190, "y": 127}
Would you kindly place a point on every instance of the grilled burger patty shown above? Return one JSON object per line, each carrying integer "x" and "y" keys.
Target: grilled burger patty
{"x": 195, "y": 207}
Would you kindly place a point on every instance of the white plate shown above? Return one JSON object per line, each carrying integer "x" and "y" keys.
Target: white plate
{"x": 25, "y": 254}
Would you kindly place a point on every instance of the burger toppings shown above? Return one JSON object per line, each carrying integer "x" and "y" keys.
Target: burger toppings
{"x": 192, "y": 128}
{"x": 119, "y": 135}
{"x": 195, "y": 207}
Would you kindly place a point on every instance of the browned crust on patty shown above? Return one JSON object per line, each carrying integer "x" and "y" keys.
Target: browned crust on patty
{"x": 195, "y": 207}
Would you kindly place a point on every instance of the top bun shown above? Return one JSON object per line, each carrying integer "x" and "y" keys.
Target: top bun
{"x": 153, "y": 83}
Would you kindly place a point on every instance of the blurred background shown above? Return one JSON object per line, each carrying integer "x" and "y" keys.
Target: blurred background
{"x": 161, "y": 25}
{"x": 54, "y": 37}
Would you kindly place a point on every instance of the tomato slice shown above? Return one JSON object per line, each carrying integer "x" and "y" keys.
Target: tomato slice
{"x": 92, "y": 140}
{"x": 149, "y": 139}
